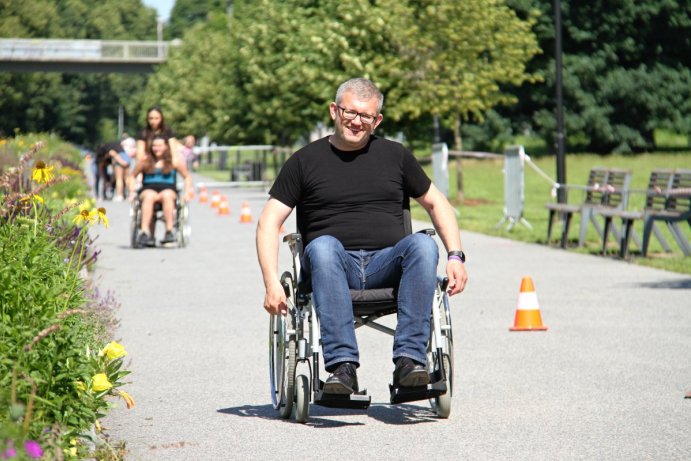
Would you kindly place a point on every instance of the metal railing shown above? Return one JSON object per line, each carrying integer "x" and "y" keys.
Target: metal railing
{"x": 103, "y": 51}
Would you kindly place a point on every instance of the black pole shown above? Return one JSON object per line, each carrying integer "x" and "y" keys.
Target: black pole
{"x": 561, "y": 155}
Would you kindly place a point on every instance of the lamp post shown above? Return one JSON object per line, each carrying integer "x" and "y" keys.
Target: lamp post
{"x": 561, "y": 156}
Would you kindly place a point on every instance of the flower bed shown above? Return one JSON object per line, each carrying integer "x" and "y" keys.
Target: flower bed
{"x": 58, "y": 363}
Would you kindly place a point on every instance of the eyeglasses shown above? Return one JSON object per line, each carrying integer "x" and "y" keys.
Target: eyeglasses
{"x": 350, "y": 114}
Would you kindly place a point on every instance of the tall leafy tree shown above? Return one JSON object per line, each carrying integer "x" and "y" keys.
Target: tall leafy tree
{"x": 626, "y": 72}
{"x": 187, "y": 13}
{"x": 291, "y": 55}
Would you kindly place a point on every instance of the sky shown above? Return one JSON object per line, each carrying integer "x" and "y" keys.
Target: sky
{"x": 163, "y": 7}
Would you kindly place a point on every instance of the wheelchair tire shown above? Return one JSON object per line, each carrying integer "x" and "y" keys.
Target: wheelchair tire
{"x": 184, "y": 229}
{"x": 302, "y": 398}
{"x": 282, "y": 363}
{"x": 442, "y": 405}
{"x": 135, "y": 224}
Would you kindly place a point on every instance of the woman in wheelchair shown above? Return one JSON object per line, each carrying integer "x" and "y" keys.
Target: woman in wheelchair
{"x": 159, "y": 169}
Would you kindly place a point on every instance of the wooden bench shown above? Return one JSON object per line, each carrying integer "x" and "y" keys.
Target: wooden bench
{"x": 606, "y": 188}
{"x": 668, "y": 199}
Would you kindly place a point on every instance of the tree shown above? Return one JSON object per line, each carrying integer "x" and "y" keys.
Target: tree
{"x": 187, "y": 13}
{"x": 626, "y": 72}
{"x": 272, "y": 78}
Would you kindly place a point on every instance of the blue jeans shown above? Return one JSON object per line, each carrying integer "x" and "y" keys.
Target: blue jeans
{"x": 410, "y": 265}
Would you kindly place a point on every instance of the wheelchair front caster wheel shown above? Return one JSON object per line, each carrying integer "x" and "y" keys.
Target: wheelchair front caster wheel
{"x": 302, "y": 397}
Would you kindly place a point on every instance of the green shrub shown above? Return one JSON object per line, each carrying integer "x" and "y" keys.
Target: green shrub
{"x": 56, "y": 369}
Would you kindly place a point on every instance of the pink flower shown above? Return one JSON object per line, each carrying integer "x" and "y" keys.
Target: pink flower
{"x": 33, "y": 449}
{"x": 10, "y": 452}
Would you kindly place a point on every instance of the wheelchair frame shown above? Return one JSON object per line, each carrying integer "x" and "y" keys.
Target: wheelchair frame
{"x": 295, "y": 342}
{"x": 181, "y": 220}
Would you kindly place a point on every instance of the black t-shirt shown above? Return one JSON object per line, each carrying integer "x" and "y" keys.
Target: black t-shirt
{"x": 354, "y": 196}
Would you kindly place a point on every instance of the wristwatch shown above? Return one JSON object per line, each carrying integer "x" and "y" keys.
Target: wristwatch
{"x": 457, "y": 255}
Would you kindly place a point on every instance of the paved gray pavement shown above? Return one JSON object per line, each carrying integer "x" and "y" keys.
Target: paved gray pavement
{"x": 606, "y": 381}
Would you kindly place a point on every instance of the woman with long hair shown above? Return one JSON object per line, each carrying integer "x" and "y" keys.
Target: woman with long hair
{"x": 155, "y": 126}
{"x": 159, "y": 168}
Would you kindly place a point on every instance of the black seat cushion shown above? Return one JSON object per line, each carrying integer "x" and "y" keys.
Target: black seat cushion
{"x": 374, "y": 301}
{"x": 365, "y": 302}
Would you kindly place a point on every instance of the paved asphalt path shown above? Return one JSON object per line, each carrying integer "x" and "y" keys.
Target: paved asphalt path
{"x": 605, "y": 382}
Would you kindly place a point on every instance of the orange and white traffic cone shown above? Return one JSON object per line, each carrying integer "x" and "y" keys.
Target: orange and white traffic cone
{"x": 528, "y": 316}
{"x": 245, "y": 213}
{"x": 223, "y": 206}
{"x": 215, "y": 199}
{"x": 203, "y": 194}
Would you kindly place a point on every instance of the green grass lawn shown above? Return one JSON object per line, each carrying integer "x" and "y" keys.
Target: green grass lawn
{"x": 483, "y": 205}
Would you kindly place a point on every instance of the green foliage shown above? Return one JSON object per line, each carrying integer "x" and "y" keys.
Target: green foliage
{"x": 52, "y": 324}
{"x": 72, "y": 105}
{"x": 626, "y": 72}
{"x": 269, "y": 75}
{"x": 187, "y": 13}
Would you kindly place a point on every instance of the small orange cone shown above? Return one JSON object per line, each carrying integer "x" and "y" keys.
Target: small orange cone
{"x": 245, "y": 213}
{"x": 215, "y": 199}
{"x": 203, "y": 195}
{"x": 528, "y": 316}
{"x": 223, "y": 206}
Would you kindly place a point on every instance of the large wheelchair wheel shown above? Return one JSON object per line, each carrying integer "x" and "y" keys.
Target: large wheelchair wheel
{"x": 442, "y": 405}
{"x": 282, "y": 362}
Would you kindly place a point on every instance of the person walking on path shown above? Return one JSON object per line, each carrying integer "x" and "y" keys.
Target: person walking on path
{"x": 350, "y": 189}
{"x": 155, "y": 125}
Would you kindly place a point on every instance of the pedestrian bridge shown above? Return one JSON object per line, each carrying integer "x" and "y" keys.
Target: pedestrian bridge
{"x": 56, "y": 55}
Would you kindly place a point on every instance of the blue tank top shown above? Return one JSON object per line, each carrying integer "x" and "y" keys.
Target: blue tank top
{"x": 159, "y": 177}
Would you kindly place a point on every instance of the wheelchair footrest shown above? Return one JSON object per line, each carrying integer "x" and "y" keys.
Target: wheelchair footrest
{"x": 358, "y": 401}
{"x": 411, "y": 394}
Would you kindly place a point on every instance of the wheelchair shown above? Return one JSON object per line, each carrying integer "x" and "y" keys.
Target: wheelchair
{"x": 295, "y": 342}
{"x": 181, "y": 220}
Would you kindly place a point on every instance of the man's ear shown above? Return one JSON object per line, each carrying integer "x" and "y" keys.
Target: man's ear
{"x": 332, "y": 110}
{"x": 376, "y": 123}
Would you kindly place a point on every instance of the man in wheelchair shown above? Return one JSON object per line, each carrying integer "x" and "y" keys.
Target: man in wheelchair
{"x": 159, "y": 170}
{"x": 350, "y": 189}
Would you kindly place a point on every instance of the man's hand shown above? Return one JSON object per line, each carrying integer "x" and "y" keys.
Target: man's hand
{"x": 275, "y": 300}
{"x": 455, "y": 271}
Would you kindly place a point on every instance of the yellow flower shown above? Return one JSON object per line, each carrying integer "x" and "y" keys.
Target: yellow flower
{"x": 100, "y": 215}
{"x": 100, "y": 382}
{"x": 34, "y": 197}
{"x": 84, "y": 217}
{"x": 113, "y": 351}
{"x": 42, "y": 172}
{"x": 129, "y": 401}
{"x": 98, "y": 426}
{"x": 80, "y": 386}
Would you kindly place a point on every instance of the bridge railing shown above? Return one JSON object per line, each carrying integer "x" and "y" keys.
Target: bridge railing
{"x": 46, "y": 50}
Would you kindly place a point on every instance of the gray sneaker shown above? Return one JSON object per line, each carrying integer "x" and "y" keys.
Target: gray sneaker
{"x": 145, "y": 240}
{"x": 168, "y": 238}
